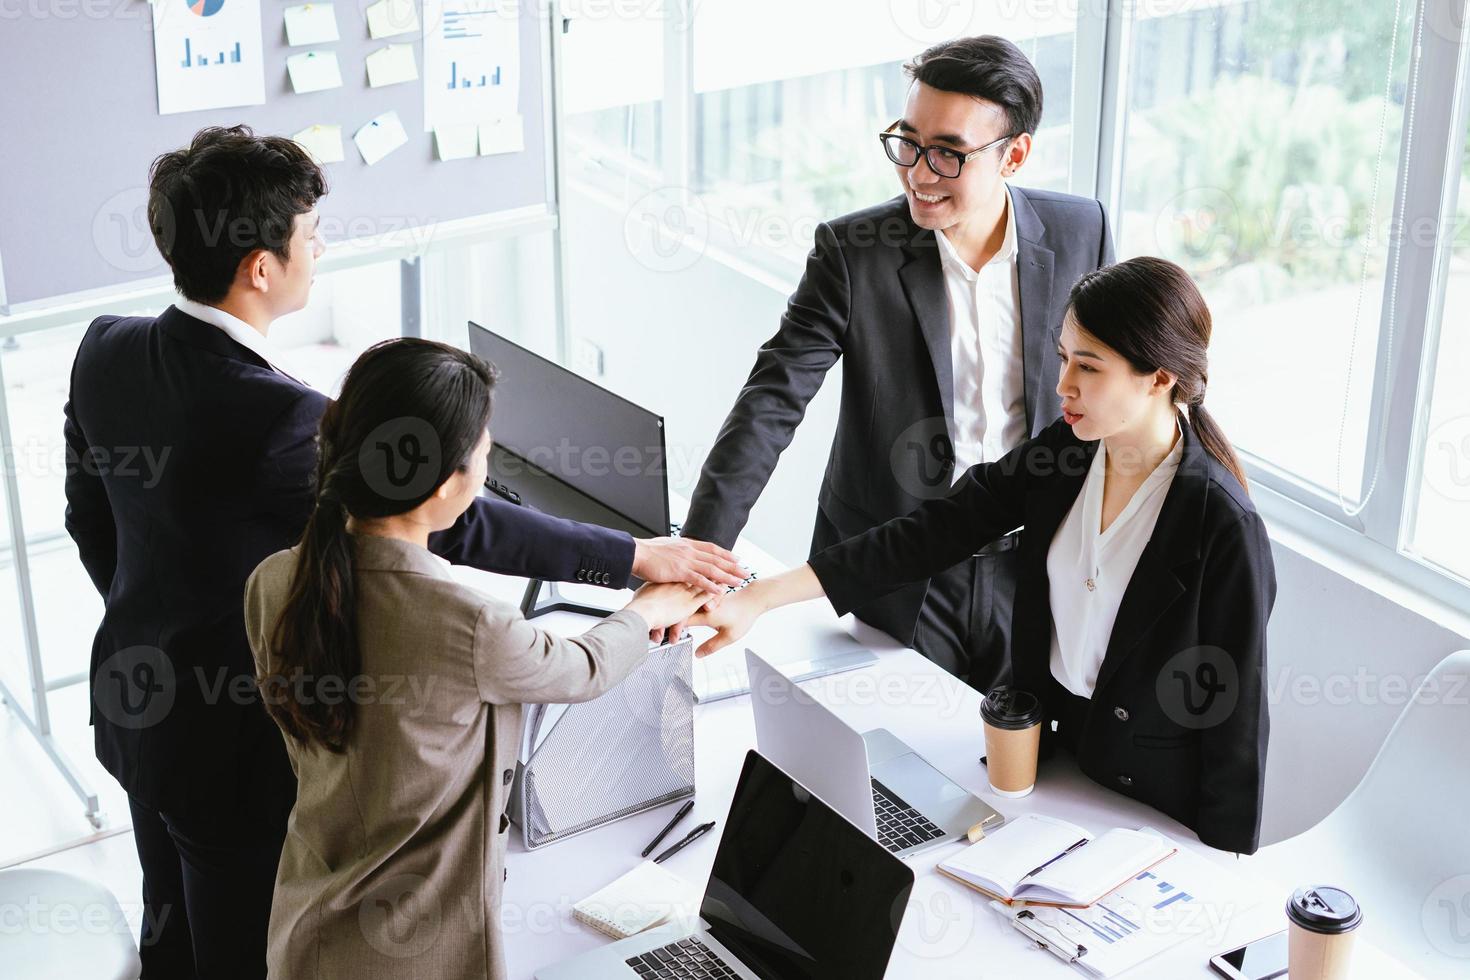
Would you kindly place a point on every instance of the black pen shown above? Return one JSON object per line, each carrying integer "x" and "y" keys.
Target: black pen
{"x": 1039, "y": 868}
{"x": 683, "y": 812}
{"x": 690, "y": 838}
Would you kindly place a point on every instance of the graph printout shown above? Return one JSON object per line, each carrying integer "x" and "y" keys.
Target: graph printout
{"x": 208, "y": 54}
{"x": 472, "y": 62}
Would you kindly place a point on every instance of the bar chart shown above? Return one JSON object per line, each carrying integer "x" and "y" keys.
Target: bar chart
{"x": 457, "y": 80}
{"x": 192, "y": 60}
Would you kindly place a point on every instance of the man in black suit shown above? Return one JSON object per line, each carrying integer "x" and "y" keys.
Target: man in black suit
{"x": 190, "y": 459}
{"x": 944, "y": 306}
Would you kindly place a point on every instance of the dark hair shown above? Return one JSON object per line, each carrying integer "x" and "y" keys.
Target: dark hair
{"x": 404, "y": 401}
{"x": 985, "y": 67}
{"x": 1150, "y": 311}
{"x": 225, "y": 195}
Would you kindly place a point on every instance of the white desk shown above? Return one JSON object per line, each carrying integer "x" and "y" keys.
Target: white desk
{"x": 948, "y": 930}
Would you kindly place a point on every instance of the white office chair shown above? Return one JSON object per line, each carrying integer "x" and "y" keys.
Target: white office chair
{"x": 56, "y": 926}
{"x": 1400, "y": 842}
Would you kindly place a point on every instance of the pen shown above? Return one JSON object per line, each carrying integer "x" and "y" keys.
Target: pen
{"x": 690, "y": 838}
{"x": 1037, "y": 869}
{"x": 683, "y": 812}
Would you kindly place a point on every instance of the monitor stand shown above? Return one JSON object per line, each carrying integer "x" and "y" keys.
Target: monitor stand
{"x": 533, "y": 604}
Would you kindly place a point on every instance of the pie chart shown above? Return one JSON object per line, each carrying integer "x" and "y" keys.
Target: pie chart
{"x": 205, "y": 8}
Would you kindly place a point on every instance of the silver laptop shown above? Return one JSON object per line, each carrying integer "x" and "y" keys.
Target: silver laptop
{"x": 796, "y": 892}
{"x": 874, "y": 779}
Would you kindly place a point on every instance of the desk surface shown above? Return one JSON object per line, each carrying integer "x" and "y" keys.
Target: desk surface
{"x": 948, "y": 930}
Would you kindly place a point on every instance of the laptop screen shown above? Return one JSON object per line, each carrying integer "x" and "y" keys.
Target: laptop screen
{"x": 797, "y": 891}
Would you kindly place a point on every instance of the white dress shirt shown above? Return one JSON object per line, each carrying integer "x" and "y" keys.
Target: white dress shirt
{"x": 239, "y": 331}
{"x": 985, "y": 347}
{"x": 1089, "y": 571}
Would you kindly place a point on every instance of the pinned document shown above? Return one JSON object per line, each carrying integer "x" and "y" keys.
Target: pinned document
{"x": 380, "y": 137}
{"x": 390, "y": 18}
{"x": 314, "y": 71}
{"x": 392, "y": 65}
{"x": 457, "y": 142}
{"x": 323, "y": 142}
{"x": 502, "y": 136}
{"x": 311, "y": 23}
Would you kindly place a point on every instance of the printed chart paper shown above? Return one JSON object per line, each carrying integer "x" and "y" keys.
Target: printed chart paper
{"x": 208, "y": 54}
{"x": 472, "y": 62}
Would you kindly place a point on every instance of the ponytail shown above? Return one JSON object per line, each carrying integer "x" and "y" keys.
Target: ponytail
{"x": 315, "y": 636}
{"x": 1212, "y": 437}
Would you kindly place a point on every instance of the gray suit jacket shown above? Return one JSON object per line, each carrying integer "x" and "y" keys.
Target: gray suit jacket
{"x": 873, "y": 296}
{"x": 394, "y": 854}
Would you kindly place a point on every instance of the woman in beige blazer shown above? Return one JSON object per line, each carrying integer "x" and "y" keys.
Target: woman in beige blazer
{"x": 400, "y": 690}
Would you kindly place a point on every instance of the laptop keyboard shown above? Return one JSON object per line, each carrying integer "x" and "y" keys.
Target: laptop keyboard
{"x": 687, "y": 959}
{"x": 900, "y": 826}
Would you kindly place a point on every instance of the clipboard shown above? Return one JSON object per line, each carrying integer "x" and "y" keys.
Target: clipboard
{"x": 1046, "y": 937}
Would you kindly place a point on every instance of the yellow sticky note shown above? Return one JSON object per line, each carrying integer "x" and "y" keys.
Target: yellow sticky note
{"x": 314, "y": 71}
{"x": 311, "y": 23}
{"x": 502, "y": 136}
{"x": 323, "y": 142}
{"x": 457, "y": 142}
{"x": 392, "y": 65}
{"x": 380, "y": 137}
{"x": 389, "y": 18}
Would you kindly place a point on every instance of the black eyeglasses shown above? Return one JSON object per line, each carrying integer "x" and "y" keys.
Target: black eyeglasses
{"x": 942, "y": 160}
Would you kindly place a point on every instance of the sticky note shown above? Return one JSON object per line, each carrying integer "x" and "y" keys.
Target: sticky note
{"x": 380, "y": 137}
{"x": 323, "y": 142}
{"x": 392, "y": 65}
{"x": 311, "y": 23}
{"x": 314, "y": 71}
{"x": 389, "y": 18}
{"x": 502, "y": 136}
{"x": 457, "y": 142}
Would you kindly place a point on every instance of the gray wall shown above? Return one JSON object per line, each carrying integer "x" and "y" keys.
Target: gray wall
{"x": 1343, "y": 659}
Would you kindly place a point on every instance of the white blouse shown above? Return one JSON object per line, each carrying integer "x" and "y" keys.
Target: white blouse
{"x": 1089, "y": 571}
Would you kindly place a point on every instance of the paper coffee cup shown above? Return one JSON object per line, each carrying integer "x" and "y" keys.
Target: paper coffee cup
{"x": 1322, "y": 921}
{"x": 1012, "y": 720}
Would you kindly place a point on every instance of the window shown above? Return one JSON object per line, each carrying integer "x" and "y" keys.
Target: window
{"x": 1261, "y": 152}
{"x": 1441, "y": 530}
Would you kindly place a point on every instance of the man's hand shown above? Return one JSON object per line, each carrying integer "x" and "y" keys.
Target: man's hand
{"x": 697, "y": 563}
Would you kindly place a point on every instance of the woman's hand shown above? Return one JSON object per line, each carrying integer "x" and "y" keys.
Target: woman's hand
{"x": 732, "y": 617}
{"x": 664, "y": 605}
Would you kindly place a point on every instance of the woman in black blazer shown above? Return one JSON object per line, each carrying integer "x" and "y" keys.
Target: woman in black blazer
{"x": 1136, "y": 494}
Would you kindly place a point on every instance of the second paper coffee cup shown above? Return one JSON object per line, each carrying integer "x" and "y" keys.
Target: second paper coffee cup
{"x": 1320, "y": 938}
{"x": 1012, "y": 739}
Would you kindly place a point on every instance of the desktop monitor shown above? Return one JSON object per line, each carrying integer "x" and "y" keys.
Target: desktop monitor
{"x": 571, "y": 448}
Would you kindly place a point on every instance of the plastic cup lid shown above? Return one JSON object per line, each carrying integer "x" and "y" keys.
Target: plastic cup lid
{"x": 1324, "y": 909}
{"x": 1010, "y": 708}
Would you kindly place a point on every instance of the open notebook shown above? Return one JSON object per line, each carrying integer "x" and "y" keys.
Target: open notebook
{"x": 1045, "y": 861}
{"x": 647, "y": 896}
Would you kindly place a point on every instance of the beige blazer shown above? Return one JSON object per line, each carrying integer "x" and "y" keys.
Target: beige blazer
{"x": 394, "y": 854}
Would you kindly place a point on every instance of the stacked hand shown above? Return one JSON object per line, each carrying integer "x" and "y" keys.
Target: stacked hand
{"x": 731, "y": 617}
{"x": 697, "y": 563}
{"x": 669, "y": 603}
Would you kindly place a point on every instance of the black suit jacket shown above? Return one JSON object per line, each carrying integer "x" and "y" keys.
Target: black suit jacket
{"x": 189, "y": 461}
{"x": 1178, "y": 719}
{"x": 873, "y": 295}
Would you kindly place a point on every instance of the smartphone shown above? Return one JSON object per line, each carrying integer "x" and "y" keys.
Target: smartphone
{"x": 1260, "y": 960}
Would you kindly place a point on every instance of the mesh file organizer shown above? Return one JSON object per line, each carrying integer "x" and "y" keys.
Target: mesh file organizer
{"x": 585, "y": 765}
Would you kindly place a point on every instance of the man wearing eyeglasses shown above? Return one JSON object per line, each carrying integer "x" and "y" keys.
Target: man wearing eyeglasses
{"x": 944, "y": 306}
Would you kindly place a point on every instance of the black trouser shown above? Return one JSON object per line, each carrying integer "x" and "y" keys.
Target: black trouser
{"x": 207, "y": 887}
{"x": 965, "y": 623}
